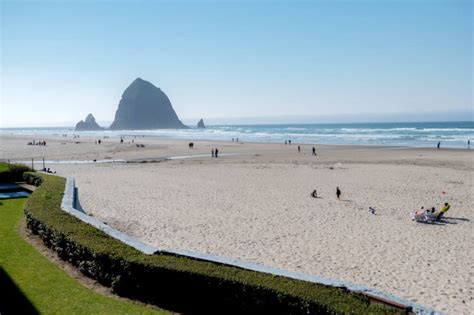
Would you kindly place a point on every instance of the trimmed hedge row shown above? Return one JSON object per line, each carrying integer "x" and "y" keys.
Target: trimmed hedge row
{"x": 32, "y": 179}
{"x": 178, "y": 283}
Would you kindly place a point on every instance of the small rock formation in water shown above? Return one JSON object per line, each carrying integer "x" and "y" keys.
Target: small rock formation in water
{"x": 88, "y": 125}
{"x": 201, "y": 124}
{"x": 145, "y": 106}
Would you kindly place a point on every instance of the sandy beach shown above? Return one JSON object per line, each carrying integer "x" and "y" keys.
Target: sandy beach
{"x": 256, "y": 206}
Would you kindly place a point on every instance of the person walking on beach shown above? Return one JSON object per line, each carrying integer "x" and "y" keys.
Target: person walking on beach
{"x": 314, "y": 151}
{"x": 439, "y": 144}
{"x": 299, "y": 149}
{"x": 212, "y": 152}
{"x": 216, "y": 153}
{"x": 338, "y": 193}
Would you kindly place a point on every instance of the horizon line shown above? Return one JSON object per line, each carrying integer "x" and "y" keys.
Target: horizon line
{"x": 269, "y": 124}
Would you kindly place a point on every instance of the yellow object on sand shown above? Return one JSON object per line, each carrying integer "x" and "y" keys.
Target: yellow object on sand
{"x": 444, "y": 208}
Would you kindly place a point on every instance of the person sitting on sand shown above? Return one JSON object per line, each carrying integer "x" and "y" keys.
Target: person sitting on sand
{"x": 419, "y": 215}
{"x": 443, "y": 210}
{"x": 421, "y": 211}
{"x": 314, "y": 194}
{"x": 430, "y": 214}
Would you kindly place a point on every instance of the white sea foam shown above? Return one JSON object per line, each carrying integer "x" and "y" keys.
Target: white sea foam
{"x": 411, "y": 134}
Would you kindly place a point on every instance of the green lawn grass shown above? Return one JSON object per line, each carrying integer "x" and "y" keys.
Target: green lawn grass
{"x": 3, "y": 167}
{"x": 48, "y": 288}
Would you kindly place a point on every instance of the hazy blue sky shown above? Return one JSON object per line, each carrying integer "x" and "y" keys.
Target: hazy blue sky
{"x": 61, "y": 60}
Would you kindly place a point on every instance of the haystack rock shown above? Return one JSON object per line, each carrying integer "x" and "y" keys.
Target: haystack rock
{"x": 88, "y": 125}
{"x": 201, "y": 124}
{"x": 144, "y": 106}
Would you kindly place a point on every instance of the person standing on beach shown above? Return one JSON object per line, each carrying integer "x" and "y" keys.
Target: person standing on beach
{"x": 217, "y": 152}
{"x": 468, "y": 144}
{"x": 212, "y": 152}
{"x": 299, "y": 149}
{"x": 338, "y": 193}
{"x": 439, "y": 144}
{"x": 314, "y": 151}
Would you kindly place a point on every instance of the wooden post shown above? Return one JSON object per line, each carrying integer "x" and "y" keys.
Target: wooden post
{"x": 44, "y": 167}
{"x": 32, "y": 165}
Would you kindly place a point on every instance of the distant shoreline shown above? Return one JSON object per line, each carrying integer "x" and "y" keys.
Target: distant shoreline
{"x": 418, "y": 135}
{"x": 222, "y": 141}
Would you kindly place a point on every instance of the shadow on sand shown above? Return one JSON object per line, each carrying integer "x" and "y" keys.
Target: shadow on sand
{"x": 13, "y": 301}
{"x": 445, "y": 220}
{"x": 456, "y": 219}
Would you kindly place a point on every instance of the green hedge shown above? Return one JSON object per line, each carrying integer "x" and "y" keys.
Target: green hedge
{"x": 174, "y": 282}
{"x": 12, "y": 172}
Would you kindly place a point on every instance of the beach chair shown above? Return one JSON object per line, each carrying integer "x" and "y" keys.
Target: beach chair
{"x": 431, "y": 217}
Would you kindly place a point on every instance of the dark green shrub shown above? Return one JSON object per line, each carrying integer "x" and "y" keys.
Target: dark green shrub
{"x": 13, "y": 172}
{"x": 32, "y": 179}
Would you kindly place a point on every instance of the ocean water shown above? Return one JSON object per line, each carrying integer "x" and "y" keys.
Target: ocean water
{"x": 450, "y": 134}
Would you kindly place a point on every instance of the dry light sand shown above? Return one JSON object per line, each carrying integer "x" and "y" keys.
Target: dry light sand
{"x": 256, "y": 206}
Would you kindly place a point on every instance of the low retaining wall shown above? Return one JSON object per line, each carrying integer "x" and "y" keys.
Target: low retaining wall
{"x": 70, "y": 204}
